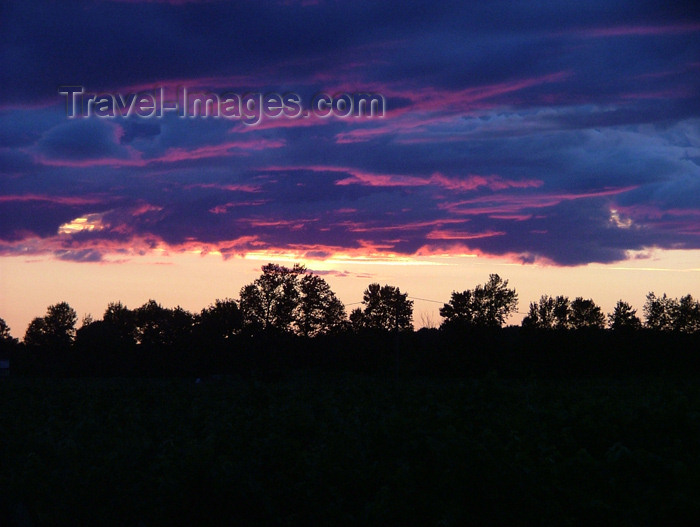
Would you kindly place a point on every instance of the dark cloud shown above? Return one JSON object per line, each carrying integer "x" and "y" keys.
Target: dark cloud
{"x": 83, "y": 139}
{"x": 556, "y": 131}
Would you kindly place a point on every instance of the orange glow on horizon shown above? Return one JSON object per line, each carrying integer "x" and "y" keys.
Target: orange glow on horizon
{"x": 193, "y": 280}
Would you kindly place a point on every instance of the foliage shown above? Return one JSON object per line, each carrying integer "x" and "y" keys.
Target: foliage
{"x": 660, "y": 312}
{"x": 484, "y": 306}
{"x": 585, "y": 314}
{"x": 56, "y": 330}
{"x": 221, "y": 320}
{"x": 549, "y": 313}
{"x": 624, "y": 317}
{"x": 385, "y": 308}
{"x": 670, "y": 314}
{"x": 122, "y": 321}
{"x": 5, "y": 336}
{"x": 357, "y": 319}
{"x": 561, "y": 313}
{"x": 290, "y": 301}
{"x": 319, "y": 310}
{"x": 157, "y": 326}
{"x": 269, "y": 302}
{"x": 36, "y": 334}
{"x": 687, "y": 315}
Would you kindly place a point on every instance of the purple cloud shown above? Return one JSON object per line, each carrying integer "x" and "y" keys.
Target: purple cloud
{"x": 538, "y": 132}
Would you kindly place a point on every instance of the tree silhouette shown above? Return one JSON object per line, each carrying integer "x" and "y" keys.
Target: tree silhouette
{"x": 7, "y": 342}
{"x": 120, "y": 322}
{"x": 35, "y": 336}
{"x": 151, "y": 324}
{"x": 269, "y": 302}
{"x": 624, "y": 317}
{"x": 221, "y": 320}
{"x": 660, "y": 312}
{"x": 386, "y": 307}
{"x": 115, "y": 333}
{"x": 181, "y": 323}
{"x": 670, "y": 314}
{"x": 56, "y": 330}
{"x": 687, "y": 315}
{"x": 292, "y": 301}
{"x": 319, "y": 310}
{"x": 549, "y": 313}
{"x": 484, "y": 306}
{"x": 5, "y": 337}
{"x": 540, "y": 314}
{"x": 585, "y": 314}
{"x": 159, "y": 327}
{"x": 60, "y": 324}
{"x": 562, "y": 312}
{"x": 357, "y": 319}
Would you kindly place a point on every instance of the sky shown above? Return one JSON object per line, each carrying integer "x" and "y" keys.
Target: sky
{"x": 554, "y": 143}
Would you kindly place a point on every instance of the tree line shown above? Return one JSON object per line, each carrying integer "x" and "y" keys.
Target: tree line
{"x": 285, "y": 300}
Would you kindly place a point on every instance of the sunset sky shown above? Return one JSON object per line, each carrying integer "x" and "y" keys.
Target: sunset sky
{"x": 554, "y": 143}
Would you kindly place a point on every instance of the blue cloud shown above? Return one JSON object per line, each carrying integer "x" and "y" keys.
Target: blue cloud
{"x": 565, "y": 112}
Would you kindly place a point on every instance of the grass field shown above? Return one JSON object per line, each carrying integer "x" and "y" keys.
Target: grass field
{"x": 350, "y": 450}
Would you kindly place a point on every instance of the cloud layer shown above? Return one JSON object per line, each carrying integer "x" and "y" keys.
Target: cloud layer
{"x": 558, "y": 133}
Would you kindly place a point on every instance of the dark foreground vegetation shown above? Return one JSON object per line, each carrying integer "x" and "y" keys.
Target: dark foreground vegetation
{"x": 509, "y": 352}
{"x": 277, "y": 409}
{"x": 349, "y": 450}
{"x": 289, "y": 319}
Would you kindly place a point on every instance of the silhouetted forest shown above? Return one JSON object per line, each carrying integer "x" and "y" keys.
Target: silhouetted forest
{"x": 289, "y": 319}
{"x": 278, "y": 409}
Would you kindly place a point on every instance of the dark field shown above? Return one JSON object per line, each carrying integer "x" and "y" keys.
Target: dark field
{"x": 349, "y": 450}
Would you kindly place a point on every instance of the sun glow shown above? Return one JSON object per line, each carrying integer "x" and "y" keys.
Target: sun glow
{"x": 618, "y": 221}
{"x": 87, "y": 223}
{"x": 339, "y": 258}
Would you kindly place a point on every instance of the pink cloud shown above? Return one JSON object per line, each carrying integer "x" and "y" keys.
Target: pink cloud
{"x": 441, "y": 234}
{"x": 475, "y": 181}
{"x": 223, "y": 209}
{"x": 230, "y": 187}
{"x": 371, "y": 179}
{"x": 380, "y": 180}
{"x": 220, "y": 150}
{"x": 295, "y": 224}
{"x": 86, "y": 163}
{"x": 362, "y": 227}
{"x": 172, "y": 155}
{"x": 513, "y": 204}
{"x": 433, "y": 99}
{"x": 469, "y": 183}
{"x": 60, "y": 200}
{"x": 268, "y": 124}
{"x": 652, "y": 212}
{"x": 360, "y": 135}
